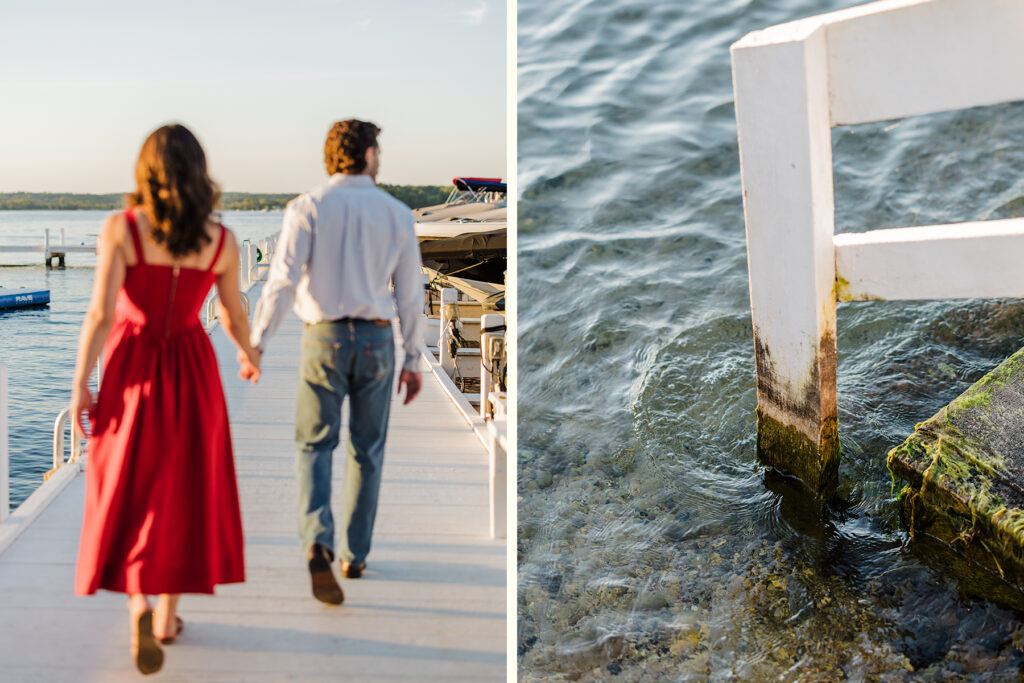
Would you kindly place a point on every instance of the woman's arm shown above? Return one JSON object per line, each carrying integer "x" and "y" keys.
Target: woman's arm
{"x": 232, "y": 317}
{"x": 110, "y": 272}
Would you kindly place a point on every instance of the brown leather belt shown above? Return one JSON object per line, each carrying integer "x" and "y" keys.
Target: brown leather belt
{"x": 375, "y": 321}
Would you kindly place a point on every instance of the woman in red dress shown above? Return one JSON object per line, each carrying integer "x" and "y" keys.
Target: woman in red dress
{"x": 161, "y": 505}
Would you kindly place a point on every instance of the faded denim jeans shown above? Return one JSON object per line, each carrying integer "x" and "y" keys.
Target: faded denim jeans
{"x": 356, "y": 359}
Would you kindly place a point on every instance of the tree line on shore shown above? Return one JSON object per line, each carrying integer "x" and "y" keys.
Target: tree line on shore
{"x": 414, "y": 196}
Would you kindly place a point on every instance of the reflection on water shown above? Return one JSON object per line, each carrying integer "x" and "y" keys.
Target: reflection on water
{"x": 652, "y": 545}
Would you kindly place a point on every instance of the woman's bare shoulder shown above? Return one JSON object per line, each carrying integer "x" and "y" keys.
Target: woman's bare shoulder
{"x": 115, "y": 223}
{"x": 230, "y": 247}
{"x": 115, "y": 229}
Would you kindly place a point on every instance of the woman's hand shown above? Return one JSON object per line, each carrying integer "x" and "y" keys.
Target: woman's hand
{"x": 81, "y": 402}
{"x": 249, "y": 366}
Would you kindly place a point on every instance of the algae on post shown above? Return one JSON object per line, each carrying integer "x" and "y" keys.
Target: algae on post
{"x": 787, "y": 448}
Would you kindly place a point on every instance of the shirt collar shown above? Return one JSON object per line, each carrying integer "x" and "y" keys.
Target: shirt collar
{"x": 352, "y": 179}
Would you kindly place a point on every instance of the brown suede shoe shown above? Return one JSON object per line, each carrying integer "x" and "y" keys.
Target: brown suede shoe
{"x": 352, "y": 570}
{"x": 325, "y": 586}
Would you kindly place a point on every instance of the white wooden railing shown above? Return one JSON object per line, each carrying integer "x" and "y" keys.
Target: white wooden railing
{"x": 793, "y": 83}
{"x": 5, "y": 480}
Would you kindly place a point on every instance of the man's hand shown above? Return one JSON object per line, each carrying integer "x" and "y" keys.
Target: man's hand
{"x": 412, "y": 381}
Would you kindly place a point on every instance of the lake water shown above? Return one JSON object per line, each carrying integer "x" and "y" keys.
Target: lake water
{"x": 38, "y": 346}
{"x": 652, "y": 545}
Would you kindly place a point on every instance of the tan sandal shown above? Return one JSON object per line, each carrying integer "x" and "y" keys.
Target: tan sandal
{"x": 149, "y": 658}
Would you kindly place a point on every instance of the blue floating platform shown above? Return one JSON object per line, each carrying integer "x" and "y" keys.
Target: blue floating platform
{"x": 23, "y": 298}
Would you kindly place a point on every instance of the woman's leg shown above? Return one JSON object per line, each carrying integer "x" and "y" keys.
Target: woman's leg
{"x": 137, "y": 604}
{"x": 164, "y": 622}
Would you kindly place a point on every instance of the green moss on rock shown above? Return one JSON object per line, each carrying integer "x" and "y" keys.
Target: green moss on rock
{"x": 964, "y": 470}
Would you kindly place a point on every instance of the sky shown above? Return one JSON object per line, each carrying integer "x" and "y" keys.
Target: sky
{"x": 83, "y": 83}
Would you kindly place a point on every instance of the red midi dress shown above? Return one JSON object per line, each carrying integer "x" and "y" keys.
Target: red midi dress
{"x": 161, "y": 500}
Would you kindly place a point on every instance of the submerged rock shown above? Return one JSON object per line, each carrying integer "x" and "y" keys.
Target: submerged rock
{"x": 964, "y": 469}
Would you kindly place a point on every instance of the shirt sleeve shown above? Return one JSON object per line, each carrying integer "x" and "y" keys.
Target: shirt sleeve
{"x": 291, "y": 256}
{"x": 409, "y": 295}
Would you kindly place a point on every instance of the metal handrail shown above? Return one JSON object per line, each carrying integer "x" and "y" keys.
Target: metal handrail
{"x": 210, "y": 315}
{"x": 254, "y": 274}
{"x": 58, "y": 442}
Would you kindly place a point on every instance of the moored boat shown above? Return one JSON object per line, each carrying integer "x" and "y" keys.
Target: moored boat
{"x": 474, "y": 205}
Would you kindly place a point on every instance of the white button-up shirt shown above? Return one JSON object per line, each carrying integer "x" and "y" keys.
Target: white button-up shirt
{"x": 341, "y": 247}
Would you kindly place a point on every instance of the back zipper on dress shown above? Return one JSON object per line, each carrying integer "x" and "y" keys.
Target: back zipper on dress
{"x": 170, "y": 301}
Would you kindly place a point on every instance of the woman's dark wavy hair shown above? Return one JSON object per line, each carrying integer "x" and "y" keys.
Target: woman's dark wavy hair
{"x": 347, "y": 142}
{"x": 174, "y": 189}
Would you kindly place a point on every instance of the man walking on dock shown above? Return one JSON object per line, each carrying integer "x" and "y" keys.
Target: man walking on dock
{"x": 341, "y": 245}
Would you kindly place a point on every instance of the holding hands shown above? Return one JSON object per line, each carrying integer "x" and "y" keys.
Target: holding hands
{"x": 249, "y": 365}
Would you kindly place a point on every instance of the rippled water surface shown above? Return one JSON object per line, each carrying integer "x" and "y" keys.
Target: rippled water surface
{"x": 652, "y": 545}
{"x": 38, "y": 346}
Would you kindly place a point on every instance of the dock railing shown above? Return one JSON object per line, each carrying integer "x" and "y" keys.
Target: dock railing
{"x": 793, "y": 83}
{"x": 65, "y": 421}
{"x": 489, "y": 420}
{"x": 5, "y": 480}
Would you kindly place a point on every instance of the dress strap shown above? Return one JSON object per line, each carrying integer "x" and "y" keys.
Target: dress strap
{"x": 133, "y": 228}
{"x": 220, "y": 246}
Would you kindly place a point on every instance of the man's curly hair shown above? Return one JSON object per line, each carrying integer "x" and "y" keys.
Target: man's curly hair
{"x": 347, "y": 142}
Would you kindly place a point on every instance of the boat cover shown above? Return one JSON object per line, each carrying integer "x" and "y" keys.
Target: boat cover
{"x": 479, "y": 184}
{"x": 472, "y": 245}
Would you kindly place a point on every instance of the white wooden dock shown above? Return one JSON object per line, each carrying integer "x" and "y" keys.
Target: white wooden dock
{"x": 50, "y": 250}
{"x": 431, "y": 606}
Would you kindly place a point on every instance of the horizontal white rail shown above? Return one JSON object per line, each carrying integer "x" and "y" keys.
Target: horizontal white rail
{"x": 897, "y": 58}
{"x": 15, "y": 249}
{"x": 964, "y": 260}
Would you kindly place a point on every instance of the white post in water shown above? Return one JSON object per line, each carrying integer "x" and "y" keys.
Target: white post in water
{"x": 449, "y": 312}
{"x": 792, "y": 83}
{"x": 5, "y": 479}
{"x": 46, "y": 246}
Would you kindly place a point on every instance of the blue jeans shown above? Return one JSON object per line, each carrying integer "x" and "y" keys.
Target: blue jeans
{"x": 339, "y": 359}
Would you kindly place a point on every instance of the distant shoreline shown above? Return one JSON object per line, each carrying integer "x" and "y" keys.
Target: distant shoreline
{"x": 415, "y": 196}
